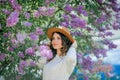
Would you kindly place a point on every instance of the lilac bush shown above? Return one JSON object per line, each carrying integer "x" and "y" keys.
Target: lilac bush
{"x": 23, "y": 40}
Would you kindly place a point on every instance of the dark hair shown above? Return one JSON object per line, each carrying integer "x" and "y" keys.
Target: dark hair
{"x": 66, "y": 43}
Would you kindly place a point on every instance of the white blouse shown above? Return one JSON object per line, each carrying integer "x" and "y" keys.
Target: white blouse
{"x": 60, "y": 67}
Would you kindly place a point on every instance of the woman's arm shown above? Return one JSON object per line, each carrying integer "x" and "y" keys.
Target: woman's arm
{"x": 70, "y": 59}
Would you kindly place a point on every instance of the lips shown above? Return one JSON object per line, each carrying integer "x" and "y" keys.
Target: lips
{"x": 55, "y": 44}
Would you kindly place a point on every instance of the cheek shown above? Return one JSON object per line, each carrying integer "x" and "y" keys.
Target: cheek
{"x": 60, "y": 43}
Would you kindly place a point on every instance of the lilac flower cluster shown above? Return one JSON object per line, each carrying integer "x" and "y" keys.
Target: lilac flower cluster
{"x": 5, "y": 11}
{"x": 15, "y": 5}
{"x": 80, "y": 9}
{"x": 45, "y": 51}
{"x": 44, "y": 11}
{"x": 6, "y": 35}
{"x": 22, "y": 66}
{"x": 72, "y": 19}
{"x": 30, "y": 51}
{"x": 99, "y": 52}
{"x": 21, "y": 55}
{"x": 101, "y": 19}
{"x": 103, "y": 35}
{"x": 116, "y": 25}
{"x": 110, "y": 44}
{"x": 77, "y": 33}
{"x": 20, "y": 37}
{"x": 26, "y": 23}
{"x": 68, "y": 8}
{"x": 39, "y": 31}
{"x": 27, "y": 15}
{"x": 13, "y": 19}
{"x": 87, "y": 63}
{"x": 35, "y": 35}
{"x": 115, "y": 5}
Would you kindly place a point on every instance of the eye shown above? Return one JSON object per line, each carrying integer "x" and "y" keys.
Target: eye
{"x": 58, "y": 38}
{"x": 53, "y": 38}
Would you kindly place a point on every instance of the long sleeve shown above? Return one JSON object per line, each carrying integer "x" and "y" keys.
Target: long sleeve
{"x": 71, "y": 58}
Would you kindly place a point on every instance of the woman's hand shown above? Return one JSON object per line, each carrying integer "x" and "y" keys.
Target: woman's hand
{"x": 74, "y": 44}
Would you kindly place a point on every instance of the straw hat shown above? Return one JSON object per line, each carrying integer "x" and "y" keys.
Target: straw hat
{"x": 62, "y": 30}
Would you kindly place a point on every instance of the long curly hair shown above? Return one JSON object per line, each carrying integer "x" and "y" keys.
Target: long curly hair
{"x": 66, "y": 43}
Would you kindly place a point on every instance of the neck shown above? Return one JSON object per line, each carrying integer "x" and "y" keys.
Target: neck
{"x": 59, "y": 52}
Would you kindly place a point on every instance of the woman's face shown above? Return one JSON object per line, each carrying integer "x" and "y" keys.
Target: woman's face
{"x": 56, "y": 41}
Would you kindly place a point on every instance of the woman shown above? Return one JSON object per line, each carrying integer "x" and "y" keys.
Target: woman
{"x": 64, "y": 60}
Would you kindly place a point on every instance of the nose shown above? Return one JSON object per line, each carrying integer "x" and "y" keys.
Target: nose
{"x": 55, "y": 40}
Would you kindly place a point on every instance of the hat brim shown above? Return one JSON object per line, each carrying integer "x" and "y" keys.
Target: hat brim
{"x": 53, "y": 29}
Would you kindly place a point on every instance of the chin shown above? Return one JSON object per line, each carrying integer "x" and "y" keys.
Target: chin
{"x": 56, "y": 47}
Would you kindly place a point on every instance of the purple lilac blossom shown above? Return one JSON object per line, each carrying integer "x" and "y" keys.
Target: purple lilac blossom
{"x": 32, "y": 63}
{"x": 36, "y": 14}
{"x": 23, "y": 64}
{"x": 2, "y": 56}
{"x": 102, "y": 29}
{"x": 27, "y": 15}
{"x": 73, "y": 16}
{"x": 106, "y": 42}
{"x": 14, "y": 41}
{"x": 116, "y": 26}
{"x": 12, "y": 19}
{"x": 87, "y": 63}
{"x": 42, "y": 10}
{"x": 115, "y": 7}
{"x": 21, "y": 37}
{"x": 21, "y": 55}
{"x": 39, "y": 31}
{"x": 45, "y": 51}
{"x": 100, "y": 52}
{"x": 110, "y": 44}
{"x": 77, "y": 22}
{"x": 80, "y": 10}
{"x": 11, "y": 48}
{"x": 21, "y": 67}
{"x": 68, "y": 8}
{"x": 65, "y": 24}
{"x": 45, "y": 11}
{"x": 5, "y": 35}
{"x": 33, "y": 36}
{"x": 5, "y": 11}
{"x": 109, "y": 34}
{"x": 66, "y": 18}
{"x": 50, "y": 11}
{"x": 101, "y": 19}
{"x": 15, "y": 5}
{"x": 28, "y": 24}
{"x": 30, "y": 51}
{"x": 77, "y": 33}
